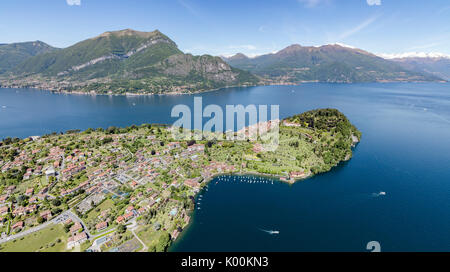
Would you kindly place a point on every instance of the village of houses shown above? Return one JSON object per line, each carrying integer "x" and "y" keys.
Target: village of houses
{"x": 110, "y": 190}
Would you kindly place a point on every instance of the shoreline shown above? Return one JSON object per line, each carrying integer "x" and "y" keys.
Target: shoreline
{"x": 264, "y": 175}
{"x": 239, "y": 174}
{"x": 93, "y": 93}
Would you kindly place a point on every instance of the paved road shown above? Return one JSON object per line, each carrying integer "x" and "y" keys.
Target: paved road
{"x": 102, "y": 233}
{"x": 60, "y": 218}
{"x": 132, "y": 227}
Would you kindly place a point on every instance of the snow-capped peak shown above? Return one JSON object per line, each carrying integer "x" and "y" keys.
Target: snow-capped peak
{"x": 345, "y": 45}
{"x": 433, "y": 55}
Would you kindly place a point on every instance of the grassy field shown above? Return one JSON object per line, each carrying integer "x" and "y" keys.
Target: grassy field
{"x": 50, "y": 239}
{"x": 107, "y": 204}
{"x": 149, "y": 236}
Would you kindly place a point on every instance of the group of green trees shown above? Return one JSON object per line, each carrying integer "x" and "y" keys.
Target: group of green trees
{"x": 327, "y": 120}
{"x": 162, "y": 244}
{"x": 334, "y": 132}
{"x": 9, "y": 140}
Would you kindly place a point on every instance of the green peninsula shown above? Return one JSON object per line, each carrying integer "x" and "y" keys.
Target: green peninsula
{"x": 133, "y": 189}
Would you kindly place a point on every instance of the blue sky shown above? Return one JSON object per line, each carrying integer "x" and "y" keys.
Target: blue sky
{"x": 231, "y": 26}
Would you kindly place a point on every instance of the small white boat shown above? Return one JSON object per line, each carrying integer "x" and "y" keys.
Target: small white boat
{"x": 382, "y": 193}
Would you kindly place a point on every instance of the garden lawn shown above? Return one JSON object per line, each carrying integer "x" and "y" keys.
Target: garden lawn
{"x": 44, "y": 240}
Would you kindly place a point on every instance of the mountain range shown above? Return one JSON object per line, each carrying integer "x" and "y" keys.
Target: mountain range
{"x": 437, "y": 66}
{"x": 125, "y": 61}
{"x": 12, "y": 55}
{"x": 130, "y": 61}
{"x": 328, "y": 63}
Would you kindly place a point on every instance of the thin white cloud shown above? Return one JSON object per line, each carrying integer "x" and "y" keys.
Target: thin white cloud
{"x": 358, "y": 28}
{"x": 244, "y": 46}
{"x": 188, "y": 7}
{"x": 73, "y": 2}
{"x": 311, "y": 3}
{"x": 425, "y": 46}
{"x": 374, "y": 2}
{"x": 444, "y": 9}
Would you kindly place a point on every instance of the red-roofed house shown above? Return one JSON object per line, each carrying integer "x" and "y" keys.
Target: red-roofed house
{"x": 101, "y": 226}
{"x": 46, "y": 214}
{"x": 29, "y": 192}
{"x": 4, "y": 210}
{"x": 297, "y": 175}
{"x": 128, "y": 216}
{"x": 76, "y": 227}
{"x": 18, "y": 225}
{"x": 3, "y": 198}
{"x": 76, "y": 240}
{"x": 120, "y": 219}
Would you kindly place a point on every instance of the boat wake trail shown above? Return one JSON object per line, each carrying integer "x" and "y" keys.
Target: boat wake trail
{"x": 271, "y": 232}
{"x": 378, "y": 194}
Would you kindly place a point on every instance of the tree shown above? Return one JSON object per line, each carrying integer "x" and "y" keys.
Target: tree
{"x": 56, "y": 210}
{"x": 163, "y": 242}
{"x": 191, "y": 142}
{"x": 111, "y": 130}
{"x": 121, "y": 229}
{"x": 56, "y": 202}
{"x": 40, "y": 220}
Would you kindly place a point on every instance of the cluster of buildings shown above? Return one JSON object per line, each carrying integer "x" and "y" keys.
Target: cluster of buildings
{"x": 294, "y": 176}
{"x": 77, "y": 235}
{"x": 105, "y": 169}
{"x": 20, "y": 160}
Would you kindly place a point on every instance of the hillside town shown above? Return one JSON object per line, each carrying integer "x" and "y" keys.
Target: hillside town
{"x": 103, "y": 185}
{"x": 127, "y": 189}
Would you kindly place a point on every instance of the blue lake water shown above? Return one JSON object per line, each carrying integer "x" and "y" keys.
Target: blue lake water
{"x": 405, "y": 152}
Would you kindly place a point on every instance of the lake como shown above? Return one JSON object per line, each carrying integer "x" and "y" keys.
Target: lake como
{"x": 404, "y": 152}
